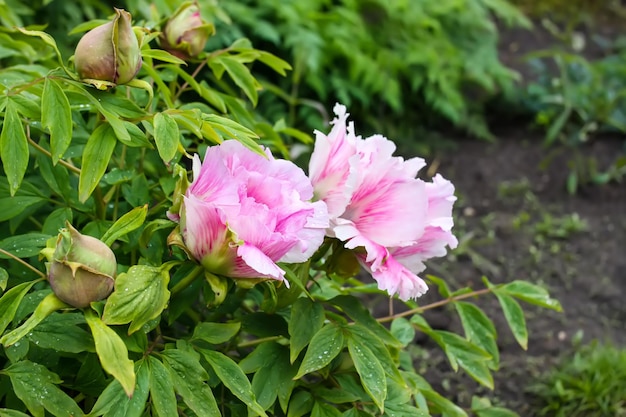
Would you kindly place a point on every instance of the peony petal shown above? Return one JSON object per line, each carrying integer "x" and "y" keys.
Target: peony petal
{"x": 394, "y": 278}
{"x": 258, "y": 261}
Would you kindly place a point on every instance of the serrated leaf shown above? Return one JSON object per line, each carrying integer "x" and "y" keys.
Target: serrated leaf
{"x": 162, "y": 393}
{"x": 37, "y": 387}
{"x": 125, "y": 224}
{"x": 56, "y": 116}
{"x": 47, "y": 306}
{"x": 531, "y": 293}
{"x": 96, "y": 156}
{"x": 370, "y": 370}
{"x": 307, "y": 318}
{"x": 112, "y": 352}
{"x": 215, "y": 333}
{"x": 166, "y": 136}
{"x": 13, "y": 147}
{"x": 10, "y": 301}
{"x": 189, "y": 379}
{"x": 324, "y": 347}
{"x": 140, "y": 295}
{"x": 233, "y": 378}
{"x": 515, "y": 318}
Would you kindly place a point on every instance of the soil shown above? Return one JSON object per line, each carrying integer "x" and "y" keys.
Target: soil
{"x": 508, "y": 210}
{"x": 512, "y": 215}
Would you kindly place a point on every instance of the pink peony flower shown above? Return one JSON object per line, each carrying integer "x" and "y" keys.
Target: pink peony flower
{"x": 244, "y": 212}
{"x": 375, "y": 202}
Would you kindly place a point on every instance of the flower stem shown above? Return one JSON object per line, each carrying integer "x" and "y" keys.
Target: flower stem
{"x": 436, "y": 304}
{"x": 26, "y": 264}
{"x": 185, "y": 282}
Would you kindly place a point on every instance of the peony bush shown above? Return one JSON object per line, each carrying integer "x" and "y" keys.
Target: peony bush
{"x": 160, "y": 255}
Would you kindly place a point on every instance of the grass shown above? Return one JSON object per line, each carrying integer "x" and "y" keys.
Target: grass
{"x": 588, "y": 384}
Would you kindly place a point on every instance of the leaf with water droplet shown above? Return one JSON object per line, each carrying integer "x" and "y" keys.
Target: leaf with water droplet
{"x": 140, "y": 295}
{"x": 324, "y": 347}
{"x": 37, "y": 387}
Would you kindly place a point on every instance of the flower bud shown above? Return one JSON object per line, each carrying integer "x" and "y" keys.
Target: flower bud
{"x": 82, "y": 268}
{"x": 185, "y": 33}
{"x": 109, "y": 52}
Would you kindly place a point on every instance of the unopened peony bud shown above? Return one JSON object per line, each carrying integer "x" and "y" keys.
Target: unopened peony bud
{"x": 185, "y": 33}
{"x": 109, "y": 52}
{"x": 82, "y": 268}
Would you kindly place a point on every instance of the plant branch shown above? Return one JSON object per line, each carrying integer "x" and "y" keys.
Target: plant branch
{"x": 46, "y": 152}
{"x": 436, "y": 304}
{"x": 185, "y": 282}
{"x": 26, "y": 264}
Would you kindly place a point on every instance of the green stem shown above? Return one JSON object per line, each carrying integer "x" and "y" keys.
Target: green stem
{"x": 185, "y": 282}
{"x": 26, "y": 264}
{"x": 259, "y": 341}
{"x": 44, "y": 151}
{"x": 420, "y": 310}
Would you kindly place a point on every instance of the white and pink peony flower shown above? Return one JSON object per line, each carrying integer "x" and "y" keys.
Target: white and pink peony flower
{"x": 375, "y": 202}
{"x": 244, "y": 212}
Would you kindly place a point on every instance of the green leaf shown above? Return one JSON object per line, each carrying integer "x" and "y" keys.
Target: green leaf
{"x": 479, "y": 330}
{"x": 215, "y": 333}
{"x": 275, "y": 63}
{"x": 404, "y": 410}
{"x": 10, "y": 301}
{"x": 324, "y": 347}
{"x": 162, "y": 55}
{"x": 472, "y": 358}
{"x": 301, "y": 403}
{"x": 125, "y": 224}
{"x": 140, "y": 295}
{"x": 241, "y": 75}
{"x": 37, "y": 387}
{"x": 515, "y": 318}
{"x": 531, "y": 293}
{"x": 56, "y": 115}
{"x": 321, "y": 409}
{"x": 363, "y": 336}
{"x": 24, "y": 246}
{"x": 274, "y": 379}
{"x": 233, "y": 378}
{"x": 61, "y": 332}
{"x": 307, "y": 318}
{"x": 354, "y": 308}
{"x": 189, "y": 382}
{"x": 115, "y": 402}
{"x": 402, "y": 330}
{"x": 4, "y": 280}
{"x": 5, "y": 412}
{"x": 370, "y": 370}
{"x": 96, "y": 156}
{"x": 47, "y": 306}
{"x": 112, "y": 352}
{"x": 49, "y": 40}
{"x": 13, "y": 147}
{"x": 162, "y": 393}
{"x": 11, "y": 207}
{"x": 166, "y": 136}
